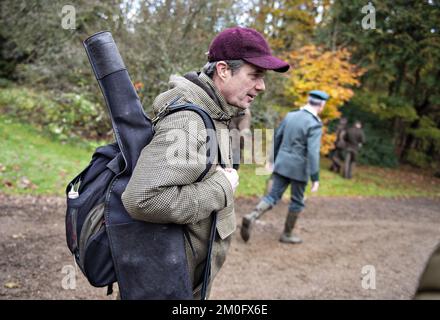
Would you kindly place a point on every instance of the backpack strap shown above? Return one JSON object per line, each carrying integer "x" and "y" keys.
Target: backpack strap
{"x": 110, "y": 289}
{"x": 207, "y": 270}
{"x": 212, "y": 144}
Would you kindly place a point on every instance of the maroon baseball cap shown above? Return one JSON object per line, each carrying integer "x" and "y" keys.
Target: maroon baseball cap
{"x": 246, "y": 44}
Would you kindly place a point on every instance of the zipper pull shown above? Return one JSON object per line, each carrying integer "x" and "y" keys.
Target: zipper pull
{"x": 73, "y": 194}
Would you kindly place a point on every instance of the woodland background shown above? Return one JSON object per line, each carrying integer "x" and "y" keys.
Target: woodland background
{"x": 387, "y": 77}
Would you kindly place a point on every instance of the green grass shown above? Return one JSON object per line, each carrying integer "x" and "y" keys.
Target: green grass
{"x": 32, "y": 162}
{"x": 367, "y": 181}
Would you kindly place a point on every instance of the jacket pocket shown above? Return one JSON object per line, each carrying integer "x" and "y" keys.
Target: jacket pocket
{"x": 226, "y": 223}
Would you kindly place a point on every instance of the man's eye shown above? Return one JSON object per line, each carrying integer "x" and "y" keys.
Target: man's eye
{"x": 256, "y": 76}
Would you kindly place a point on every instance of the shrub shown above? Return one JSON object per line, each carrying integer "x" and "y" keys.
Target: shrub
{"x": 378, "y": 149}
{"x": 64, "y": 115}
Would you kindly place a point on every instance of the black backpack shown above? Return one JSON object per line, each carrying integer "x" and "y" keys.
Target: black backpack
{"x": 147, "y": 260}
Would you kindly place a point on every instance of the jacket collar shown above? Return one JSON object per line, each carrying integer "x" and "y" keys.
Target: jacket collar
{"x": 199, "y": 89}
{"x": 311, "y": 110}
{"x": 202, "y": 80}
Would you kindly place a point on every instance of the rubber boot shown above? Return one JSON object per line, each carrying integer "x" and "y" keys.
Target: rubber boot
{"x": 250, "y": 218}
{"x": 288, "y": 236}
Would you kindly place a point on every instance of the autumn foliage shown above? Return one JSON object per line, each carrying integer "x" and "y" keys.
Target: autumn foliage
{"x": 313, "y": 68}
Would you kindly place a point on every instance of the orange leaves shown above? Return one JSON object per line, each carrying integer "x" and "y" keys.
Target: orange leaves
{"x": 138, "y": 86}
{"x": 327, "y": 141}
{"x": 313, "y": 68}
{"x": 332, "y": 72}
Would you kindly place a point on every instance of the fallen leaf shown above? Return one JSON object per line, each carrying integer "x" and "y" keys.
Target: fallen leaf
{"x": 2, "y": 168}
{"x": 8, "y": 183}
{"x": 25, "y": 183}
{"x": 12, "y": 285}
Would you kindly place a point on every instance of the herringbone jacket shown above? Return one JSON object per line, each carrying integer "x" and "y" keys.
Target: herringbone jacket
{"x": 162, "y": 188}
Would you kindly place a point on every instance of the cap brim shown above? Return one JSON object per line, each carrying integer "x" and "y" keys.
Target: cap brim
{"x": 269, "y": 63}
{"x": 319, "y": 97}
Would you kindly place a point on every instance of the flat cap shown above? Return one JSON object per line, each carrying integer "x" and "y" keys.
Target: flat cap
{"x": 246, "y": 44}
{"x": 320, "y": 95}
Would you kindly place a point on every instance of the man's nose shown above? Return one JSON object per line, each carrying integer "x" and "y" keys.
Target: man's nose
{"x": 260, "y": 86}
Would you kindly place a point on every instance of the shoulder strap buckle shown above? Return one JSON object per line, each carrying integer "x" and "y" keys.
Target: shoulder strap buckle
{"x": 164, "y": 110}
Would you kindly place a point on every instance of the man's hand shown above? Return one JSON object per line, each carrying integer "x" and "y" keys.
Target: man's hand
{"x": 315, "y": 186}
{"x": 232, "y": 176}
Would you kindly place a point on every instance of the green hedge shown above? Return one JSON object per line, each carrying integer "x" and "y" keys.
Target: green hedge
{"x": 65, "y": 115}
{"x": 379, "y": 149}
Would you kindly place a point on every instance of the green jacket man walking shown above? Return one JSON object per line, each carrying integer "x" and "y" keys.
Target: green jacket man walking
{"x": 296, "y": 159}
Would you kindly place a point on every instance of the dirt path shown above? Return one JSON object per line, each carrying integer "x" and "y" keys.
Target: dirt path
{"x": 341, "y": 236}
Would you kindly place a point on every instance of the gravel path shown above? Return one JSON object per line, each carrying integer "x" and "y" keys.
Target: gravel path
{"x": 393, "y": 238}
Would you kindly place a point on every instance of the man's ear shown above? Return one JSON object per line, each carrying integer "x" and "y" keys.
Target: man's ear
{"x": 222, "y": 69}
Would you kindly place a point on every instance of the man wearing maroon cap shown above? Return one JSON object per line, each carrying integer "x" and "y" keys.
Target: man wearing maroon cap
{"x": 161, "y": 191}
{"x": 246, "y": 44}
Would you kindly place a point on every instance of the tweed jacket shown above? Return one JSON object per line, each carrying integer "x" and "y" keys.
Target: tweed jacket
{"x": 162, "y": 188}
{"x": 296, "y": 146}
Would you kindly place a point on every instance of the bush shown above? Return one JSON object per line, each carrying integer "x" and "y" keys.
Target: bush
{"x": 4, "y": 83}
{"x": 64, "y": 115}
{"x": 417, "y": 158}
{"x": 378, "y": 149}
